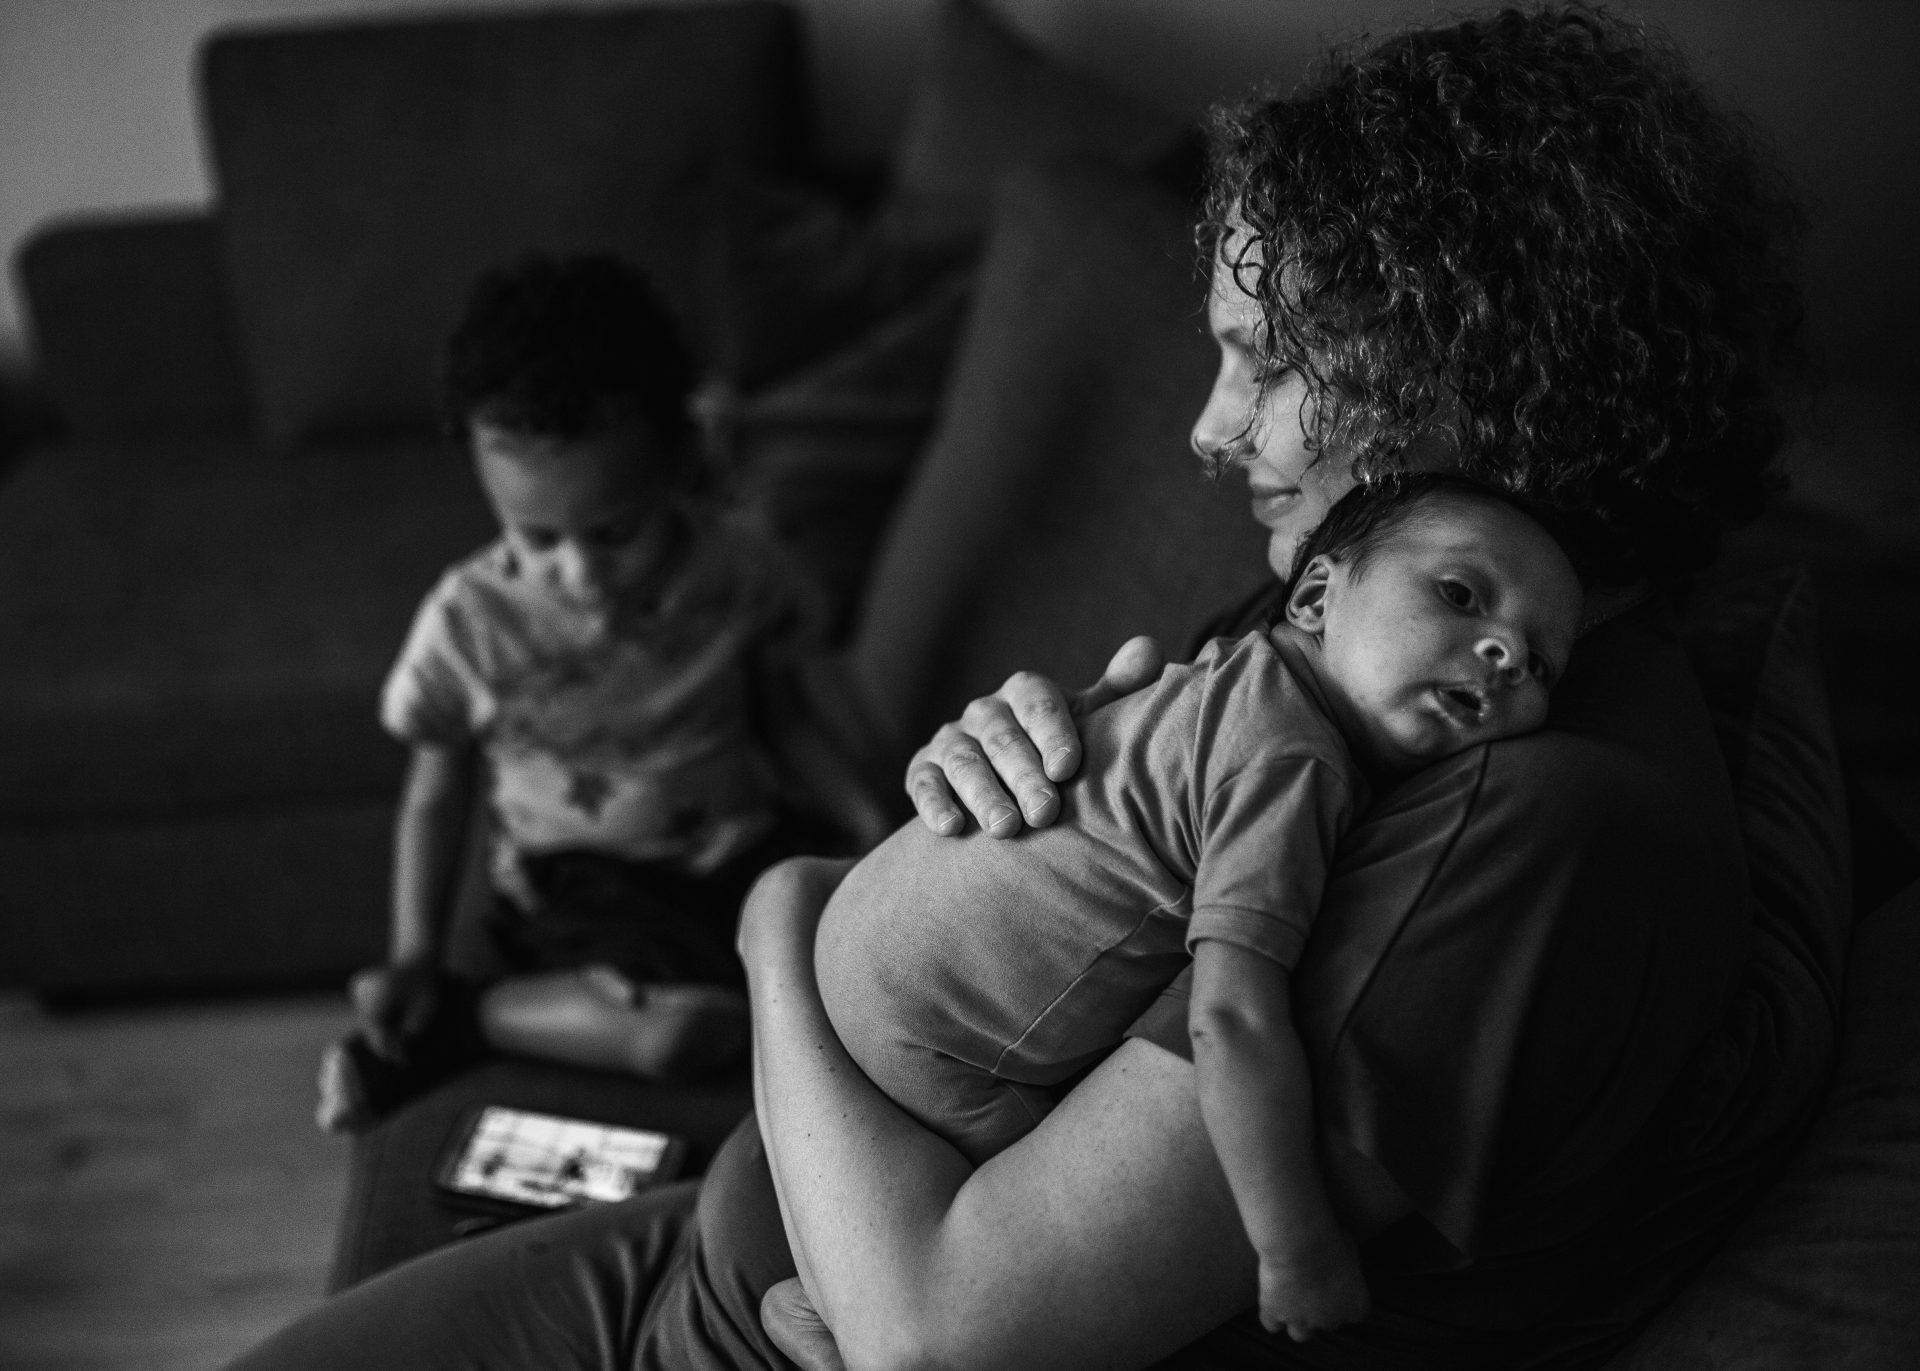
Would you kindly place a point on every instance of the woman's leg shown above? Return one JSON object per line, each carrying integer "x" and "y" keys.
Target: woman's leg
{"x": 596, "y": 1017}
{"x": 707, "y": 1316}
{"x": 564, "y": 1294}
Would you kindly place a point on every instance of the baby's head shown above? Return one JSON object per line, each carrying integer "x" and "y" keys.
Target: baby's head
{"x": 1438, "y": 615}
{"x": 568, "y": 381}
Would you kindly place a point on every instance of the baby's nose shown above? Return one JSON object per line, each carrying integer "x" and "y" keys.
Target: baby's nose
{"x": 1504, "y": 655}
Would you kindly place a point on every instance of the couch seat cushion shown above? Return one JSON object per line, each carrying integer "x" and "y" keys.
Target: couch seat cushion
{"x": 201, "y": 626}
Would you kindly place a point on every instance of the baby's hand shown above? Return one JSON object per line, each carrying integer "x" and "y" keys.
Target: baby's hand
{"x": 1312, "y": 1295}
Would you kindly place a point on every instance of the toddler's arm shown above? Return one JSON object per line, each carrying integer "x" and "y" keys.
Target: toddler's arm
{"x": 396, "y": 1000}
{"x": 1257, "y": 1101}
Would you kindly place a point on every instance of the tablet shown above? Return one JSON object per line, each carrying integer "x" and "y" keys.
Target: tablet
{"x": 519, "y": 1161}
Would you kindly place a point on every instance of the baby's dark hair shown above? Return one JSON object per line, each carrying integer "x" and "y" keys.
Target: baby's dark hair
{"x": 1362, "y": 521}
{"x": 1533, "y": 234}
{"x": 559, "y": 346}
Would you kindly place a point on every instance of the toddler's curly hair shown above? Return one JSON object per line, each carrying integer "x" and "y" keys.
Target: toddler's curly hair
{"x": 1536, "y": 235}
{"x": 553, "y": 345}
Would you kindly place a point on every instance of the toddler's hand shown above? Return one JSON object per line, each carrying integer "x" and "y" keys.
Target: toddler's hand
{"x": 1318, "y": 1295}
{"x": 394, "y": 1003}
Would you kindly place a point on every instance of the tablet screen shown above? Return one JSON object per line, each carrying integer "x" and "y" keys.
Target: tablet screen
{"x": 550, "y": 1162}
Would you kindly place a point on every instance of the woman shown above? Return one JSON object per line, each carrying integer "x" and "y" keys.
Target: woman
{"x": 1526, "y": 248}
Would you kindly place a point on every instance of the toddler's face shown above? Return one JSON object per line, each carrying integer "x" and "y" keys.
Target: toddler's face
{"x": 1450, "y": 635}
{"x": 587, "y": 517}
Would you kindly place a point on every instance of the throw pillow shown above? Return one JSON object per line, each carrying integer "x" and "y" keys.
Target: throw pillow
{"x": 1057, "y": 510}
{"x": 989, "y": 101}
{"x": 822, "y": 458}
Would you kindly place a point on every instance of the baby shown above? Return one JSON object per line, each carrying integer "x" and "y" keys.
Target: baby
{"x": 619, "y": 675}
{"x": 972, "y": 978}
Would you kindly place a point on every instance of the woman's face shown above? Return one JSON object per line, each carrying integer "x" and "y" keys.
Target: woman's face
{"x": 1263, "y": 434}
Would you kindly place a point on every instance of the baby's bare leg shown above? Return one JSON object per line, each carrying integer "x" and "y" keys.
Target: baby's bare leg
{"x": 596, "y": 1017}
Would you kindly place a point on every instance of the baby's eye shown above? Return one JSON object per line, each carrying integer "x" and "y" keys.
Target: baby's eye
{"x": 1540, "y": 669}
{"x": 1457, "y": 593}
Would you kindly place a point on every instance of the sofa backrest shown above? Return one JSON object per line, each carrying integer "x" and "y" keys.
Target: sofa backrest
{"x": 1057, "y": 510}
{"x": 368, "y": 171}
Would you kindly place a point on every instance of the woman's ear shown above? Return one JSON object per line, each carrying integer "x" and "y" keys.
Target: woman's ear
{"x": 1307, "y": 601}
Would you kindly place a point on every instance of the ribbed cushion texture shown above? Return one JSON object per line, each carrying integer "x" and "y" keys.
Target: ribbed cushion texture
{"x": 368, "y": 171}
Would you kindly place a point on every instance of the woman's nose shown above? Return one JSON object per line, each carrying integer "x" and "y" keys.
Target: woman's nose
{"x": 1221, "y": 429}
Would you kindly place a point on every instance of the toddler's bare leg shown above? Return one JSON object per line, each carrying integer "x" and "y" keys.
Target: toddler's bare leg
{"x": 797, "y": 1328}
{"x": 597, "y": 1017}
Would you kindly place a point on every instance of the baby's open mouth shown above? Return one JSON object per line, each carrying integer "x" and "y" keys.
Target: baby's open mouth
{"x": 1468, "y": 704}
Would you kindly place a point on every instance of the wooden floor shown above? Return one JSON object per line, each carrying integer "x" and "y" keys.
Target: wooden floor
{"x": 165, "y": 1200}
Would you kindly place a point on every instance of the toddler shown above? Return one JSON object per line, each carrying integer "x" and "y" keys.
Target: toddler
{"x": 972, "y": 978}
{"x": 619, "y": 676}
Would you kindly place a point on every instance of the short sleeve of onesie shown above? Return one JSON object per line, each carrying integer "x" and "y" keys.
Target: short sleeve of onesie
{"x": 1271, "y": 827}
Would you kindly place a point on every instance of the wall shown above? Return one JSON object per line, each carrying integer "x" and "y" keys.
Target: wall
{"x": 96, "y": 103}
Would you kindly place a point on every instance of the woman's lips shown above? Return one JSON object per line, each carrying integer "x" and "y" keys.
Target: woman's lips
{"x": 1270, "y": 502}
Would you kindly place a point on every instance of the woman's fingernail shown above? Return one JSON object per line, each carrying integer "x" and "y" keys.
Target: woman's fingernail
{"x": 1000, "y": 818}
{"x": 1060, "y": 756}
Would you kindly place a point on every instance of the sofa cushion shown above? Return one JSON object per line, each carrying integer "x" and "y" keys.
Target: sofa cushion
{"x": 367, "y": 172}
{"x": 823, "y": 457}
{"x": 793, "y": 274}
{"x": 1058, "y": 509}
{"x": 988, "y": 101}
{"x": 200, "y": 628}
{"x": 131, "y": 329}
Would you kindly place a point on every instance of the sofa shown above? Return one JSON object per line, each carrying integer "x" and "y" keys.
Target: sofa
{"x": 959, "y": 385}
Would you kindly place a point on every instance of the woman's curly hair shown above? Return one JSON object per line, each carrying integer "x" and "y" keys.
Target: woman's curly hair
{"x": 1536, "y": 234}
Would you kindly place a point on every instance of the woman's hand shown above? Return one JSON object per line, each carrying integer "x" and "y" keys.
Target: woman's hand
{"x": 1002, "y": 758}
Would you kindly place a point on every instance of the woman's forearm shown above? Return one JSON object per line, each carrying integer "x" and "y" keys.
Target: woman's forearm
{"x": 1107, "y": 1238}
{"x": 864, "y": 1202}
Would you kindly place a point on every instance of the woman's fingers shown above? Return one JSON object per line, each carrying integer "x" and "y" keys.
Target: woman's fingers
{"x": 1001, "y": 762}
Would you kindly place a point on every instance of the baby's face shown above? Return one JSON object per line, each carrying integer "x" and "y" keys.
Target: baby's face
{"x": 587, "y": 518}
{"x": 1451, "y": 634}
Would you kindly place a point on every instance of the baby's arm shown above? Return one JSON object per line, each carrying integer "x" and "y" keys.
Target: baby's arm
{"x": 395, "y": 1000}
{"x": 1257, "y": 1101}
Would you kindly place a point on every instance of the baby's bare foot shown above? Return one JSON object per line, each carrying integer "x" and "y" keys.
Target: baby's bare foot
{"x": 797, "y": 1328}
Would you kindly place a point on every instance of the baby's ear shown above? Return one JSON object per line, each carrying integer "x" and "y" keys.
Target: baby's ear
{"x": 1307, "y": 601}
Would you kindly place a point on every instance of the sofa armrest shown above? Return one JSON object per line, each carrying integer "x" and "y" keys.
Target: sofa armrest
{"x": 130, "y": 325}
